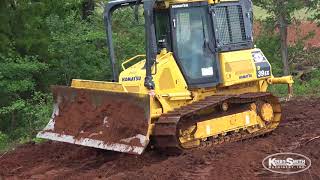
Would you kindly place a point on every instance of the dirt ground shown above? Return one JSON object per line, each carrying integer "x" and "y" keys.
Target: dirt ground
{"x": 240, "y": 160}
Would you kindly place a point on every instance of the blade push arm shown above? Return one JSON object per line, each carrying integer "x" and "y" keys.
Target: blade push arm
{"x": 283, "y": 80}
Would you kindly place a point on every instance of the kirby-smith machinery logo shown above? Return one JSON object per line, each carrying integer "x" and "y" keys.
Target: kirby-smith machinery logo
{"x": 286, "y": 163}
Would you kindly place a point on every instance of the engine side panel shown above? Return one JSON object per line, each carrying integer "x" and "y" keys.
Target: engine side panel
{"x": 244, "y": 66}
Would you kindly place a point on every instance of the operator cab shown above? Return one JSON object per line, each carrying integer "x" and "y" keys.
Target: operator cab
{"x": 196, "y": 32}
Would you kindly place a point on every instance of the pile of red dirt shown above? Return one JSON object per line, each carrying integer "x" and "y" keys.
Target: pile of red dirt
{"x": 94, "y": 115}
{"x": 239, "y": 160}
{"x": 298, "y": 31}
{"x": 302, "y": 30}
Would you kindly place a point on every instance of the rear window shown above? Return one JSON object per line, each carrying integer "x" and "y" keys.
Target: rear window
{"x": 230, "y": 25}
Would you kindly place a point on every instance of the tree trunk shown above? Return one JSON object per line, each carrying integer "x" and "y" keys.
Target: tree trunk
{"x": 87, "y": 8}
{"x": 284, "y": 43}
{"x": 13, "y": 121}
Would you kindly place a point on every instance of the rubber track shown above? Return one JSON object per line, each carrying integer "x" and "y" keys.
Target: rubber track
{"x": 166, "y": 128}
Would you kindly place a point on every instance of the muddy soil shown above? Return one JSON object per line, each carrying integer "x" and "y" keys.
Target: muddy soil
{"x": 240, "y": 160}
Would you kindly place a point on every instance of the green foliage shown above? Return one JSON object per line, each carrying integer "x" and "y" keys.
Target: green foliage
{"x": 49, "y": 42}
{"x": 274, "y": 5}
{"x": 36, "y": 113}
{"x": 24, "y": 118}
{"x": 269, "y": 43}
{"x": 302, "y": 14}
{"x": 299, "y": 56}
{"x": 292, "y": 9}
{"x": 17, "y": 73}
{"x": 3, "y": 140}
{"x": 18, "y": 76}
{"x": 308, "y": 87}
{"x": 43, "y": 43}
{"x": 76, "y": 49}
{"x": 314, "y": 6}
{"x": 281, "y": 14}
{"x": 300, "y": 87}
{"x": 128, "y": 34}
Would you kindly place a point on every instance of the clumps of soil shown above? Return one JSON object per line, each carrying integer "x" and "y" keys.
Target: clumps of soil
{"x": 99, "y": 115}
{"x": 240, "y": 160}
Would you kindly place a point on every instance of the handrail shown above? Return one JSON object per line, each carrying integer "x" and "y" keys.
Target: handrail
{"x": 141, "y": 55}
{"x": 165, "y": 55}
{"x": 129, "y": 60}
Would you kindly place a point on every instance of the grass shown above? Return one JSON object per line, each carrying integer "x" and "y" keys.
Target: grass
{"x": 302, "y": 14}
{"x": 300, "y": 88}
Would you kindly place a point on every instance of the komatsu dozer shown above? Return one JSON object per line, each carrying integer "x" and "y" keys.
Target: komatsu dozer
{"x": 200, "y": 83}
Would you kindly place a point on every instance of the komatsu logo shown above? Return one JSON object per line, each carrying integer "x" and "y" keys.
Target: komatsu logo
{"x": 180, "y": 6}
{"x": 245, "y": 76}
{"x": 286, "y": 163}
{"x": 134, "y": 78}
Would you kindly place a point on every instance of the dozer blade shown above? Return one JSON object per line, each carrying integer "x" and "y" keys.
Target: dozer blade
{"x": 107, "y": 120}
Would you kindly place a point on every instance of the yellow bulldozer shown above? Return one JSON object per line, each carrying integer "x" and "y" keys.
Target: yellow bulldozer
{"x": 201, "y": 83}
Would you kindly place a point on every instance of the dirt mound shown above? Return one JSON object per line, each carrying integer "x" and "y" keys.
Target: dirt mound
{"x": 241, "y": 160}
{"x": 297, "y": 32}
{"x": 98, "y": 115}
{"x": 302, "y": 30}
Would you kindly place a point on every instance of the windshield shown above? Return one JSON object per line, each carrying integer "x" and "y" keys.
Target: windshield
{"x": 192, "y": 45}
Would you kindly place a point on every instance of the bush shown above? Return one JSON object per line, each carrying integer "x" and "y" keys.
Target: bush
{"x": 310, "y": 87}
{"x": 300, "y": 87}
{"x": 77, "y": 50}
{"x": 24, "y": 118}
{"x": 3, "y": 140}
{"x": 44, "y": 43}
{"x": 299, "y": 58}
{"x": 269, "y": 42}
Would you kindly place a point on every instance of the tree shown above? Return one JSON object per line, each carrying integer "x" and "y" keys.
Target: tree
{"x": 51, "y": 42}
{"x": 315, "y": 6}
{"x": 44, "y": 43}
{"x": 282, "y": 12}
{"x": 87, "y": 8}
{"x": 17, "y": 85}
